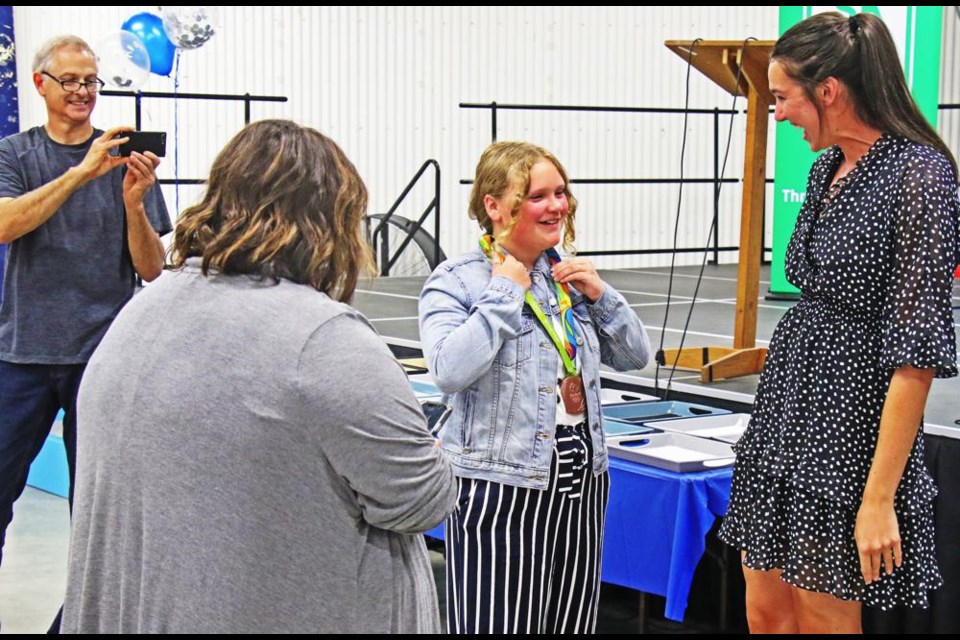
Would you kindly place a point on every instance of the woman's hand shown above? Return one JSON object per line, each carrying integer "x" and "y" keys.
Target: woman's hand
{"x": 877, "y": 533}
{"x": 581, "y": 273}
{"x": 878, "y": 539}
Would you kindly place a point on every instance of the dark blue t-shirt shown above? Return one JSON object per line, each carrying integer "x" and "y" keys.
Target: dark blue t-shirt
{"x": 66, "y": 280}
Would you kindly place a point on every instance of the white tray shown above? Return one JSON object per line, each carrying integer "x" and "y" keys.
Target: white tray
{"x": 619, "y": 396}
{"x": 672, "y": 451}
{"x": 618, "y": 428}
{"x": 725, "y": 428}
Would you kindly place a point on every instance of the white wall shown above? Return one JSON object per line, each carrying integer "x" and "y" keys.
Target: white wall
{"x": 949, "y": 122}
{"x": 386, "y": 84}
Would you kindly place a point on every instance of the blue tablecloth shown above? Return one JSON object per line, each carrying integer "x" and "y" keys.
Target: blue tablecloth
{"x": 657, "y": 522}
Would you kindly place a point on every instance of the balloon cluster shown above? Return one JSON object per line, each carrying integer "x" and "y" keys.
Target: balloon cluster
{"x": 148, "y": 43}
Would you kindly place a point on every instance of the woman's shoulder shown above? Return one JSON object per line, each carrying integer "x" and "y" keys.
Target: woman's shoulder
{"x": 280, "y": 303}
{"x": 923, "y": 157}
{"x": 312, "y": 315}
{"x": 317, "y": 306}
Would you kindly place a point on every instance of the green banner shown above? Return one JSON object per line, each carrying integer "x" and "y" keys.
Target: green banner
{"x": 909, "y": 26}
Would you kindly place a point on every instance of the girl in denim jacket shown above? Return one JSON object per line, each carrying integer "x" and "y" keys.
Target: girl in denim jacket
{"x": 515, "y": 336}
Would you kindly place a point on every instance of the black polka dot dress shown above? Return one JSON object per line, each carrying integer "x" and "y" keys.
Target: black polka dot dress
{"x": 874, "y": 258}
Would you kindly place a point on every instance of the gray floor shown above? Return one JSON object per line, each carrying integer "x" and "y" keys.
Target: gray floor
{"x": 32, "y": 576}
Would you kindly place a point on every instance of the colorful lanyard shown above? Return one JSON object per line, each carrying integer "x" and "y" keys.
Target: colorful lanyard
{"x": 567, "y": 347}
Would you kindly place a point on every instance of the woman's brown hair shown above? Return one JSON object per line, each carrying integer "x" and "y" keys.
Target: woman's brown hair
{"x": 859, "y": 52}
{"x": 282, "y": 201}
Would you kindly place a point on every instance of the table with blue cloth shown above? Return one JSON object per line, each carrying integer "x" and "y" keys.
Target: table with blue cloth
{"x": 657, "y": 522}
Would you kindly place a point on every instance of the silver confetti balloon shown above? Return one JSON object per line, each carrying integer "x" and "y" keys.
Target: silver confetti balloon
{"x": 190, "y": 27}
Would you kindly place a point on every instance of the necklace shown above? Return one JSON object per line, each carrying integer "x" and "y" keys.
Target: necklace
{"x": 571, "y": 388}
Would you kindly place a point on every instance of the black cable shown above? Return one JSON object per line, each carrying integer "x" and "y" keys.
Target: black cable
{"x": 706, "y": 249}
{"x": 676, "y": 226}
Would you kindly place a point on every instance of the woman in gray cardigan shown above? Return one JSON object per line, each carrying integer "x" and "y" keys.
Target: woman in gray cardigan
{"x": 251, "y": 457}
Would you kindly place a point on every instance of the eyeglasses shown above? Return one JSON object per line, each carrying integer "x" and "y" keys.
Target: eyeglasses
{"x": 72, "y": 86}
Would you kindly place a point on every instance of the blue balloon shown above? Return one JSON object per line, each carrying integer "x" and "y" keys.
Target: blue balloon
{"x": 150, "y": 29}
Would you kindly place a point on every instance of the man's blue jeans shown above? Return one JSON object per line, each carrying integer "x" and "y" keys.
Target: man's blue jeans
{"x": 30, "y": 397}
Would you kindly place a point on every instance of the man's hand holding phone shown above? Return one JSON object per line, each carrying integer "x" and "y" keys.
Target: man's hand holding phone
{"x": 140, "y": 151}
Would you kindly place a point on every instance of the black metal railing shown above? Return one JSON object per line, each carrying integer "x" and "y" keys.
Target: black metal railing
{"x": 495, "y": 107}
{"x": 716, "y": 249}
{"x": 380, "y": 238}
{"x": 139, "y": 96}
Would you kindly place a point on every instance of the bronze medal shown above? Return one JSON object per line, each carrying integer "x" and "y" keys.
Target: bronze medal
{"x": 571, "y": 392}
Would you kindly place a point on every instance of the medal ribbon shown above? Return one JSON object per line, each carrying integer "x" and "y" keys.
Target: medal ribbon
{"x": 567, "y": 347}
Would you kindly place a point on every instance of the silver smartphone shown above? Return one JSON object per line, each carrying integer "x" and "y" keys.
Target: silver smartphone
{"x": 436, "y": 414}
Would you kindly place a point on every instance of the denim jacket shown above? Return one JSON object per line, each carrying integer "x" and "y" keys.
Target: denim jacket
{"x": 488, "y": 353}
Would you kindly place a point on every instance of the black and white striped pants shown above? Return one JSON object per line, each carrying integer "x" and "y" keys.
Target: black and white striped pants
{"x": 525, "y": 560}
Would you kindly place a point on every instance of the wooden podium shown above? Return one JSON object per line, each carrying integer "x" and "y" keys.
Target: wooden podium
{"x": 719, "y": 61}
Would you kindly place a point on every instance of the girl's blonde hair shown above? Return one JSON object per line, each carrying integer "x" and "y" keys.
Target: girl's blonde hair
{"x": 506, "y": 165}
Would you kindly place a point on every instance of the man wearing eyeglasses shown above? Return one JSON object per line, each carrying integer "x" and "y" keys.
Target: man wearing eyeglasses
{"x": 80, "y": 223}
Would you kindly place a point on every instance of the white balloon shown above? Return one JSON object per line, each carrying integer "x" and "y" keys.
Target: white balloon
{"x": 190, "y": 27}
{"x": 123, "y": 60}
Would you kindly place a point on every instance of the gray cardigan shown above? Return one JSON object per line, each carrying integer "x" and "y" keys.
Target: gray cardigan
{"x": 251, "y": 458}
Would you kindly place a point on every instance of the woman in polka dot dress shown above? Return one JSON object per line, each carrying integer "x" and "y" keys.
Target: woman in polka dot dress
{"x": 831, "y": 502}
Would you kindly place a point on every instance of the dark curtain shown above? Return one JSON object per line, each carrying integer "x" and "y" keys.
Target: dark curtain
{"x": 943, "y": 461}
{"x": 9, "y": 112}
